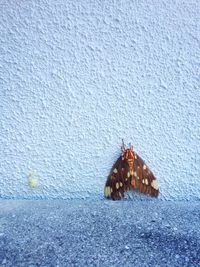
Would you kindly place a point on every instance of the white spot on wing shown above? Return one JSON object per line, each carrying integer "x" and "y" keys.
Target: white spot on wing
{"x": 117, "y": 185}
{"x": 107, "y": 191}
{"x": 154, "y": 184}
{"x": 115, "y": 170}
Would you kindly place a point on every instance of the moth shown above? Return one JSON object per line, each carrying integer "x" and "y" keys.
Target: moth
{"x": 130, "y": 172}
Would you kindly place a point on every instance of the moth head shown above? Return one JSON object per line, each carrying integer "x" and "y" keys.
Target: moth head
{"x": 128, "y": 154}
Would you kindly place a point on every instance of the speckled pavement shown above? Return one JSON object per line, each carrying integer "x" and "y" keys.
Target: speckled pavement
{"x": 99, "y": 233}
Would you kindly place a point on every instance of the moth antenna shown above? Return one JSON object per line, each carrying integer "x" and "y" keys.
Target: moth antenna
{"x": 131, "y": 146}
{"x": 123, "y": 146}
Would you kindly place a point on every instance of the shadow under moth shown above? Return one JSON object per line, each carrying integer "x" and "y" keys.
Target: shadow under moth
{"x": 130, "y": 172}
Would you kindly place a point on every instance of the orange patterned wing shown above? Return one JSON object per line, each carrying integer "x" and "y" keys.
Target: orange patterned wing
{"x": 143, "y": 179}
{"x": 130, "y": 172}
{"x": 118, "y": 182}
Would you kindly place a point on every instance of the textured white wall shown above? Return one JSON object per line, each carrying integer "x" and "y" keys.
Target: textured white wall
{"x": 77, "y": 76}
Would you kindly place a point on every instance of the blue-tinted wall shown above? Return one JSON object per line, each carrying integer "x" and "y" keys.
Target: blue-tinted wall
{"x": 77, "y": 76}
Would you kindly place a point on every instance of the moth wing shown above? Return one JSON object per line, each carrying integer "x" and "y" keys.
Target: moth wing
{"x": 143, "y": 179}
{"x": 118, "y": 181}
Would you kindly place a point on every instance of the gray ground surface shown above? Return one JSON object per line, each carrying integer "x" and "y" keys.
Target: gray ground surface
{"x": 99, "y": 233}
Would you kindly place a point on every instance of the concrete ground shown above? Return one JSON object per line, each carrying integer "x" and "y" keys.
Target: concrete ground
{"x": 99, "y": 233}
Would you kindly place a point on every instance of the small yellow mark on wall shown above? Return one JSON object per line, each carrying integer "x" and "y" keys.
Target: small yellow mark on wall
{"x": 32, "y": 181}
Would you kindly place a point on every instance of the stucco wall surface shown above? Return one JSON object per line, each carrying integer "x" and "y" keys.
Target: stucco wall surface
{"x": 77, "y": 76}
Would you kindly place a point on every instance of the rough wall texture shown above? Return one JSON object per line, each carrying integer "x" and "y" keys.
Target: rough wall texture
{"x": 77, "y": 76}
